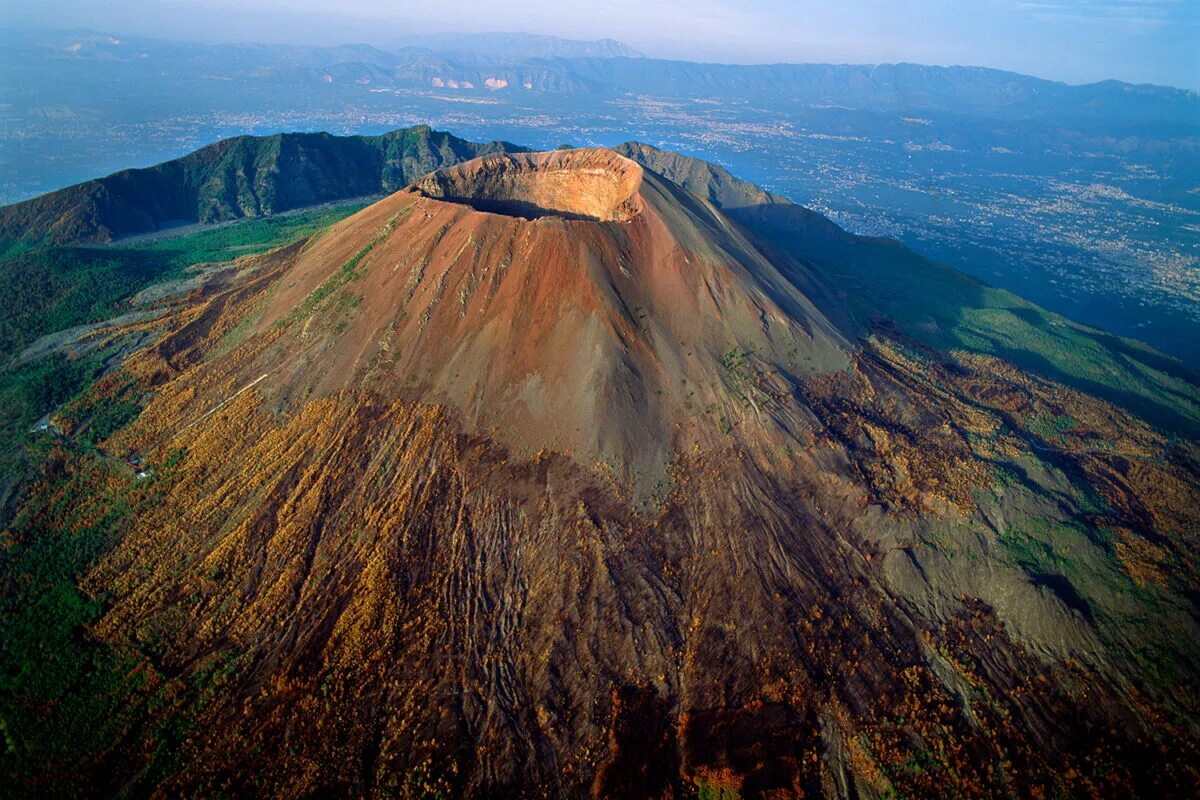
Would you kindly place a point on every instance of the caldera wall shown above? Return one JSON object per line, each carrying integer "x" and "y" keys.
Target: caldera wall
{"x": 587, "y": 184}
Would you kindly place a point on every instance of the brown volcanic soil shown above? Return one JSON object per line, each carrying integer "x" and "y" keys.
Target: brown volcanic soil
{"x": 529, "y": 504}
{"x": 602, "y": 340}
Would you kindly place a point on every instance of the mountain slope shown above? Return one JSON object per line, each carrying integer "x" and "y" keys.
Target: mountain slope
{"x": 545, "y": 476}
{"x": 246, "y": 176}
{"x": 585, "y": 330}
{"x": 942, "y": 307}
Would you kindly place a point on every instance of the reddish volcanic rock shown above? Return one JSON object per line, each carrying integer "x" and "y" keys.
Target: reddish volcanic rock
{"x": 590, "y": 319}
{"x": 596, "y": 185}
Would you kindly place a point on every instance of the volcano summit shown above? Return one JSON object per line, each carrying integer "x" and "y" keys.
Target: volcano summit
{"x": 600, "y": 472}
{"x": 589, "y": 317}
{"x": 595, "y": 185}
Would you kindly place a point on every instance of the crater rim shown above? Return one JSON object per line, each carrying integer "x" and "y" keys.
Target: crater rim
{"x": 584, "y": 185}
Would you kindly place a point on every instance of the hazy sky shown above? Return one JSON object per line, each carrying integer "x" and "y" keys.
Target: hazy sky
{"x": 1073, "y": 40}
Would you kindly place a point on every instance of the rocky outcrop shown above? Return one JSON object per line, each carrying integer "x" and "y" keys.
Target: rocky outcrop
{"x": 596, "y": 185}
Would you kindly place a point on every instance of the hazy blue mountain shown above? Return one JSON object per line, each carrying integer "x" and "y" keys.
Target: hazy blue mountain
{"x": 520, "y": 45}
{"x": 549, "y": 64}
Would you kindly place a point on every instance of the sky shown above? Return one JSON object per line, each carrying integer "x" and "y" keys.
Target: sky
{"x": 1078, "y": 41}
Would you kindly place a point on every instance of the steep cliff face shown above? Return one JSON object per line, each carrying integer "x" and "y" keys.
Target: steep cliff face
{"x": 543, "y": 477}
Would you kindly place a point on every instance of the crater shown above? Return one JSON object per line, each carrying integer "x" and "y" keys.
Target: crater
{"x": 586, "y": 184}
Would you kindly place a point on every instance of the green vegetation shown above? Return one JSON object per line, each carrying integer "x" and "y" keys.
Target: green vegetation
{"x": 51, "y": 289}
{"x": 1119, "y": 370}
{"x": 1123, "y": 371}
{"x": 26, "y": 394}
{"x": 346, "y": 273}
{"x": 240, "y": 332}
{"x": 742, "y": 377}
{"x": 709, "y": 790}
{"x": 61, "y": 694}
{"x": 47, "y": 290}
{"x": 64, "y": 696}
{"x": 1076, "y": 563}
{"x": 1082, "y": 555}
{"x": 1052, "y": 429}
{"x": 246, "y": 237}
{"x": 107, "y": 417}
{"x": 949, "y": 310}
{"x": 735, "y": 366}
{"x": 239, "y": 178}
{"x": 67, "y": 699}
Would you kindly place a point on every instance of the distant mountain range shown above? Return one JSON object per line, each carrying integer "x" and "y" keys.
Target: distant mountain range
{"x": 520, "y": 45}
{"x": 487, "y": 63}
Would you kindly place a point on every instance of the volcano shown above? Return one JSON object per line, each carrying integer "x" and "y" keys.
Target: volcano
{"x": 567, "y": 301}
{"x": 580, "y": 473}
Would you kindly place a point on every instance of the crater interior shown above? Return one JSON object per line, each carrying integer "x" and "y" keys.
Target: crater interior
{"x": 585, "y": 184}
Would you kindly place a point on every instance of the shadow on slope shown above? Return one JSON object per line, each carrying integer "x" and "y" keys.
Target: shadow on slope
{"x": 948, "y": 309}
